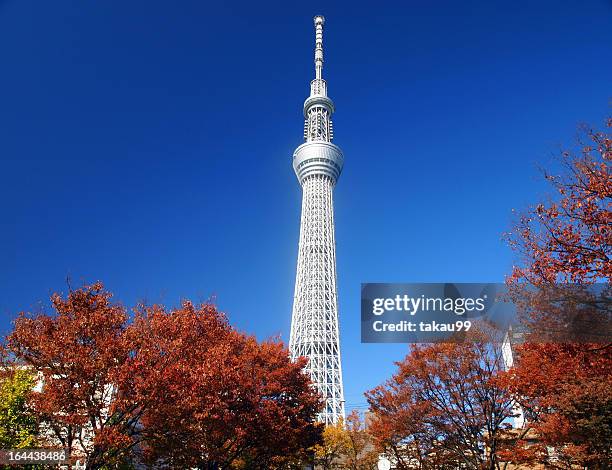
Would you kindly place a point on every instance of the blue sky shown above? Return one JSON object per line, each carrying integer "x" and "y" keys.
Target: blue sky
{"x": 148, "y": 145}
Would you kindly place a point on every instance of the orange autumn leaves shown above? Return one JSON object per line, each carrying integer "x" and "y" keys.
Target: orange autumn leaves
{"x": 443, "y": 408}
{"x": 178, "y": 385}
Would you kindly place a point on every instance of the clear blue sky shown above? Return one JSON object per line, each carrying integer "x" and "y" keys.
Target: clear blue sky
{"x": 148, "y": 144}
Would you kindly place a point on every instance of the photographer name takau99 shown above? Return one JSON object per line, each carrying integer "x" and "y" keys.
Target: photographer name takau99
{"x": 428, "y": 327}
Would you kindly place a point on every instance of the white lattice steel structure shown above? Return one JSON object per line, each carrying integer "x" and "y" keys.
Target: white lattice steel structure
{"x": 314, "y": 322}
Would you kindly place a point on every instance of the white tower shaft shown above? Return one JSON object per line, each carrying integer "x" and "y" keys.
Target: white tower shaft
{"x": 314, "y": 322}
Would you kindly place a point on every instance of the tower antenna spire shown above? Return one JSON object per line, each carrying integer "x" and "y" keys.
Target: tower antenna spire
{"x": 319, "y": 20}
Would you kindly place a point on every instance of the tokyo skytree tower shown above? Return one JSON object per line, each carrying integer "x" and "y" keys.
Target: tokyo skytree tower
{"x": 314, "y": 321}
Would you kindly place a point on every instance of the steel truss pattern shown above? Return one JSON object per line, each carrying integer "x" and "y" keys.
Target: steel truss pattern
{"x": 314, "y": 322}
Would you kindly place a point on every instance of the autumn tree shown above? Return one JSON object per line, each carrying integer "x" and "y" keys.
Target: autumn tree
{"x": 564, "y": 387}
{"x": 564, "y": 392}
{"x": 78, "y": 352}
{"x": 401, "y": 430}
{"x": 177, "y": 387}
{"x": 18, "y": 423}
{"x": 361, "y": 453}
{"x": 346, "y": 445}
{"x": 328, "y": 454}
{"x": 569, "y": 237}
{"x": 227, "y": 399}
{"x": 443, "y": 408}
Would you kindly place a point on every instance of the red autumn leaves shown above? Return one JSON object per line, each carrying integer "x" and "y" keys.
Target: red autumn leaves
{"x": 443, "y": 408}
{"x": 569, "y": 238}
{"x": 179, "y": 386}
